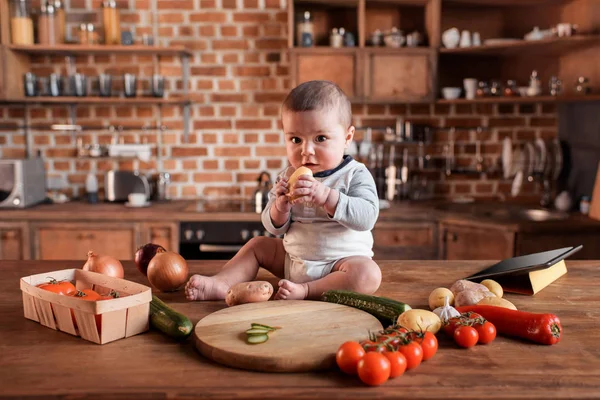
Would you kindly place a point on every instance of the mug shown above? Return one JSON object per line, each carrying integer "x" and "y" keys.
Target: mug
{"x": 465, "y": 39}
{"x": 470, "y": 85}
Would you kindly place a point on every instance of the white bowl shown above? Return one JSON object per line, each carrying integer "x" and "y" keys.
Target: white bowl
{"x": 451, "y": 38}
{"x": 451, "y": 93}
{"x": 137, "y": 199}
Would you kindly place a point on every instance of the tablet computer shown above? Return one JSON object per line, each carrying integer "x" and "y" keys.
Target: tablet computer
{"x": 525, "y": 264}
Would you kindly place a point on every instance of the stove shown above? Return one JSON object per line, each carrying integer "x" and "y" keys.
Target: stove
{"x": 218, "y": 240}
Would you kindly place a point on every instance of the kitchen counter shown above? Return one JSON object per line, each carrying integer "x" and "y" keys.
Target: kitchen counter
{"x": 484, "y": 214}
{"x": 39, "y": 362}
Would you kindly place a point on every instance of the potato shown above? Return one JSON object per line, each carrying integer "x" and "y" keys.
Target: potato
{"x": 420, "y": 320}
{"x": 493, "y": 287}
{"x": 294, "y": 178}
{"x": 463, "y": 284}
{"x": 497, "y": 301}
{"x": 248, "y": 292}
{"x": 437, "y": 298}
{"x": 471, "y": 297}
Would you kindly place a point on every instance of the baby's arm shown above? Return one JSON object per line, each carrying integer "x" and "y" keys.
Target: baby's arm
{"x": 276, "y": 215}
{"x": 359, "y": 208}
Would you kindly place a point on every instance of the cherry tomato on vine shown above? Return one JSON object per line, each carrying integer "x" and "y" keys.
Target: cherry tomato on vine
{"x": 65, "y": 287}
{"x": 413, "y": 353}
{"x": 486, "y": 331}
{"x": 428, "y": 343}
{"x": 348, "y": 356}
{"x": 397, "y": 363}
{"x": 466, "y": 336}
{"x": 374, "y": 369}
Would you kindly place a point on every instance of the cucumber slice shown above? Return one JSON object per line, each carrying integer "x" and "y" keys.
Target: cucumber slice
{"x": 261, "y": 326}
{"x": 257, "y": 339}
{"x": 256, "y": 331}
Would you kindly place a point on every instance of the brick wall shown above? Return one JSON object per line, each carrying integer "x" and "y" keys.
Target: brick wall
{"x": 240, "y": 75}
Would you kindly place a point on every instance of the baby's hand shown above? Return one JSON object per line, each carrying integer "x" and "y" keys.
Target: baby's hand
{"x": 282, "y": 202}
{"x": 307, "y": 190}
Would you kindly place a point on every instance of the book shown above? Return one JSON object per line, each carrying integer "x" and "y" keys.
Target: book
{"x": 527, "y": 274}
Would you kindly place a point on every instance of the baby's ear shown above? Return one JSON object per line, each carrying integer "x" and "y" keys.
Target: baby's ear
{"x": 350, "y": 134}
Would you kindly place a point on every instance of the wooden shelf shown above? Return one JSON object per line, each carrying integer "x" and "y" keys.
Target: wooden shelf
{"x": 98, "y": 100}
{"x": 518, "y": 99}
{"x": 75, "y": 49}
{"x": 322, "y": 50}
{"x": 331, "y": 3}
{"x": 554, "y": 45}
{"x": 507, "y": 3}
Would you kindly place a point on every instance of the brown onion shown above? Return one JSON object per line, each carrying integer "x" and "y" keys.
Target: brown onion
{"x": 105, "y": 265}
{"x": 167, "y": 271}
{"x": 144, "y": 254}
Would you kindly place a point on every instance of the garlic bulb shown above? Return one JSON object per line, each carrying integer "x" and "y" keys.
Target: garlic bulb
{"x": 447, "y": 311}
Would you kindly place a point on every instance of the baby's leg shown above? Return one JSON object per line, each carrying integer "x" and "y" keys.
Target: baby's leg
{"x": 357, "y": 273}
{"x": 258, "y": 252}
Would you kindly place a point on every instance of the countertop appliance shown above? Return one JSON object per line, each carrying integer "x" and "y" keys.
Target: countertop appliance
{"x": 22, "y": 182}
{"x": 120, "y": 184}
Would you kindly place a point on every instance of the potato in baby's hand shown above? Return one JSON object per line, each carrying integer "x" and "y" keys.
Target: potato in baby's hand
{"x": 294, "y": 178}
{"x": 248, "y": 292}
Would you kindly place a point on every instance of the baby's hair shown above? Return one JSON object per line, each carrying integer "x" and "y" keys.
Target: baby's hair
{"x": 317, "y": 96}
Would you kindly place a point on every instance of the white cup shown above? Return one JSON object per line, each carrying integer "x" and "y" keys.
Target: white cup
{"x": 137, "y": 199}
{"x": 470, "y": 85}
{"x": 476, "y": 41}
{"x": 465, "y": 39}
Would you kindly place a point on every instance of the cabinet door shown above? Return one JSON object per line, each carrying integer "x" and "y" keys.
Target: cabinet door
{"x": 473, "y": 243}
{"x": 73, "y": 241}
{"x": 529, "y": 243}
{"x": 395, "y": 76}
{"x": 405, "y": 241}
{"x": 165, "y": 234}
{"x": 14, "y": 241}
{"x": 340, "y": 68}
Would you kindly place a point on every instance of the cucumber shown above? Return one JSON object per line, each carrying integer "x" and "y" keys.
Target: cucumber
{"x": 257, "y": 339}
{"x": 261, "y": 326}
{"x": 169, "y": 321}
{"x": 256, "y": 331}
{"x": 386, "y": 310}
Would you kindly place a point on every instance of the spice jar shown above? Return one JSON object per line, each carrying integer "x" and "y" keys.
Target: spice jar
{"x": 47, "y": 24}
{"x": 92, "y": 36}
{"x": 61, "y": 22}
{"x": 21, "y": 23}
{"x": 482, "y": 89}
{"x": 305, "y": 31}
{"x": 82, "y": 34}
{"x": 112, "y": 23}
{"x": 511, "y": 88}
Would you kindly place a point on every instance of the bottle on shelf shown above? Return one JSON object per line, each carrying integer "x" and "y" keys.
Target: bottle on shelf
{"x": 21, "y": 23}
{"x": 61, "y": 21}
{"x": 47, "y": 24}
{"x": 305, "y": 31}
{"x": 112, "y": 24}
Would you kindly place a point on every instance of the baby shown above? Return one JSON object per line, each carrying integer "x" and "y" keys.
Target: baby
{"x": 327, "y": 242}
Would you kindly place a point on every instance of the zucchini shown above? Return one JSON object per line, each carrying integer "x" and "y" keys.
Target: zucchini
{"x": 386, "y": 310}
{"x": 169, "y": 321}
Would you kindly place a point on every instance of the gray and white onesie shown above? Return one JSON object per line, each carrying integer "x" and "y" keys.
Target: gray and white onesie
{"x": 313, "y": 240}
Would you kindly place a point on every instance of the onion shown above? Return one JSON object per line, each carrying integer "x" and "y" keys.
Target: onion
{"x": 105, "y": 265}
{"x": 167, "y": 271}
{"x": 144, "y": 254}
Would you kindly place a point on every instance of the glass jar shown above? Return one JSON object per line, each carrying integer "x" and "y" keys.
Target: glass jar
{"x": 82, "y": 34}
{"x": 482, "y": 89}
{"x": 92, "y": 36}
{"x": 61, "y": 21}
{"x": 305, "y": 31}
{"x": 511, "y": 88}
{"x": 112, "y": 23}
{"x": 496, "y": 88}
{"x": 21, "y": 23}
{"x": 47, "y": 25}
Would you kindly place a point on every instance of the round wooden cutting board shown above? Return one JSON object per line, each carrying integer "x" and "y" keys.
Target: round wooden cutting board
{"x": 310, "y": 334}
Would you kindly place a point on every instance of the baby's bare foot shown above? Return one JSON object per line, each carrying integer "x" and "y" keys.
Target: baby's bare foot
{"x": 289, "y": 290}
{"x": 205, "y": 288}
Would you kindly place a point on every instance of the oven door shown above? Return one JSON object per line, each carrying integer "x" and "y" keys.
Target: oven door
{"x": 216, "y": 240}
{"x": 196, "y": 251}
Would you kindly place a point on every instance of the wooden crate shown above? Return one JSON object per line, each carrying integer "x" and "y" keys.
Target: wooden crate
{"x": 117, "y": 318}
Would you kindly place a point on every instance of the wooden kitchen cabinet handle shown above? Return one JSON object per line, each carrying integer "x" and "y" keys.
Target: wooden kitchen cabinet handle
{"x": 83, "y": 236}
{"x": 451, "y": 237}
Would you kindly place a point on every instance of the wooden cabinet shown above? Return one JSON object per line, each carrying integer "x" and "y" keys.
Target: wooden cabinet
{"x": 391, "y": 76}
{"x": 72, "y": 241}
{"x": 475, "y": 243}
{"x": 165, "y": 234}
{"x": 405, "y": 241}
{"x": 14, "y": 241}
{"x": 528, "y": 243}
{"x": 340, "y": 67}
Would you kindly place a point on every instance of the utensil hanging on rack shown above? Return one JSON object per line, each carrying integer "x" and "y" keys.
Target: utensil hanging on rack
{"x": 391, "y": 174}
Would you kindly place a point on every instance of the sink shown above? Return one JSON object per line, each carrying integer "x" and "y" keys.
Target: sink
{"x": 536, "y": 214}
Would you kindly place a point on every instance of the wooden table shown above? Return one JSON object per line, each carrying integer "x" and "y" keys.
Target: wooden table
{"x": 38, "y": 362}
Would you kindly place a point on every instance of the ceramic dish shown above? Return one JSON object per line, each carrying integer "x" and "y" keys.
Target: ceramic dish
{"x": 146, "y": 204}
{"x": 507, "y": 160}
{"x": 542, "y": 155}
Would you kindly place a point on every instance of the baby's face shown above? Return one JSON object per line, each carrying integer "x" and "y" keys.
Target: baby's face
{"x": 315, "y": 139}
